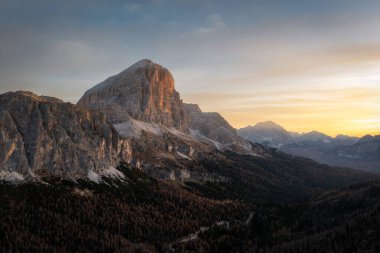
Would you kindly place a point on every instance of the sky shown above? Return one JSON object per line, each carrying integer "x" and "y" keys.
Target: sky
{"x": 305, "y": 64}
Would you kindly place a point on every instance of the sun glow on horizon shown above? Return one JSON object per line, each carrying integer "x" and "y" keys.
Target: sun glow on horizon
{"x": 343, "y": 103}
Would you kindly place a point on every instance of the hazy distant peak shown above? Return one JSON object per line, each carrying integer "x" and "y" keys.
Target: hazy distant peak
{"x": 265, "y": 126}
{"x": 316, "y": 133}
{"x": 343, "y": 137}
{"x": 268, "y": 124}
{"x": 366, "y": 138}
{"x": 267, "y": 132}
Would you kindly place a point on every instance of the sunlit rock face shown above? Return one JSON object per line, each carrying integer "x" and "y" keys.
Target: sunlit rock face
{"x": 145, "y": 91}
{"x": 144, "y": 106}
{"x": 44, "y": 136}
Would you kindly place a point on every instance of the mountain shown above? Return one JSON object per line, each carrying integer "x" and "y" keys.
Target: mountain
{"x": 342, "y": 150}
{"x": 43, "y": 138}
{"x": 144, "y": 106}
{"x": 175, "y": 140}
{"x": 268, "y": 133}
{"x": 145, "y": 91}
{"x": 138, "y": 117}
{"x": 314, "y": 136}
{"x": 131, "y": 168}
{"x": 46, "y": 137}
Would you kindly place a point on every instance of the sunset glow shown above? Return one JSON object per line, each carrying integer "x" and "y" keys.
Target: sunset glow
{"x": 307, "y": 65}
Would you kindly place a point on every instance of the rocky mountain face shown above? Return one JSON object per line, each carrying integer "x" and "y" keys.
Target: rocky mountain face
{"x": 145, "y": 92}
{"x": 215, "y": 127}
{"x": 144, "y": 106}
{"x": 43, "y": 136}
{"x": 342, "y": 150}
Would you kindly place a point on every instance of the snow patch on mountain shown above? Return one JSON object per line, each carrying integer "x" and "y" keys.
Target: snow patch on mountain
{"x": 92, "y": 176}
{"x": 113, "y": 173}
{"x": 197, "y": 135}
{"x": 133, "y": 128}
{"x": 11, "y": 177}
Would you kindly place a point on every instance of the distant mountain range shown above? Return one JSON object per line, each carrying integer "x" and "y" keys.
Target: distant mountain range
{"x": 342, "y": 150}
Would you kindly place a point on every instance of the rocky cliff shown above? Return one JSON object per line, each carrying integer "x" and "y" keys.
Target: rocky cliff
{"x": 43, "y": 136}
{"x": 145, "y": 91}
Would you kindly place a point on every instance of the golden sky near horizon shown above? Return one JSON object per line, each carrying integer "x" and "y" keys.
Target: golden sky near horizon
{"x": 334, "y": 92}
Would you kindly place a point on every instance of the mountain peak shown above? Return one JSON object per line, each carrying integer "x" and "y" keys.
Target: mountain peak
{"x": 268, "y": 124}
{"x": 267, "y": 132}
{"x": 142, "y": 63}
{"x": 366, "y": 138}
{"x": 315, "y": 136}
{"x": 145, "y": 91}
{"x": 343, "y": 137}
{"x": 315, "y": 133}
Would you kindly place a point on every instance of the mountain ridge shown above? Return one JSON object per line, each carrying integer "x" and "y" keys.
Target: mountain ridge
{"x": 342, "y": 150}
